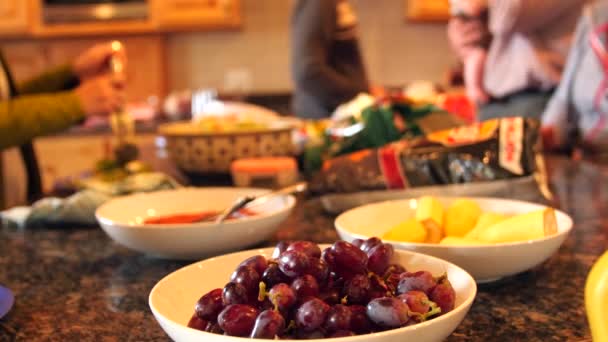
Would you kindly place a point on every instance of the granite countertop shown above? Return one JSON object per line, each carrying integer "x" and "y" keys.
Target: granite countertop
{"x": 77, "y": 285}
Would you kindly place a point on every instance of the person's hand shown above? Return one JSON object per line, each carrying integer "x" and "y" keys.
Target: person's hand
{"x": 549, "y": 138}
{"x": 96, "y": 60}
{"x": 101, "y": 96}
{"x": 473, "y": 8}
{"x": 462, "y": 34}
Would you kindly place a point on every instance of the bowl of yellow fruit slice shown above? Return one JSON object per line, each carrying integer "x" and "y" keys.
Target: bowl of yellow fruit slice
{"x": 490, "y": 238}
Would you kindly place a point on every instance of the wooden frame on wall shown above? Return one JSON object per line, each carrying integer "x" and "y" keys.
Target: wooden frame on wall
{"x": 427, "y": 10}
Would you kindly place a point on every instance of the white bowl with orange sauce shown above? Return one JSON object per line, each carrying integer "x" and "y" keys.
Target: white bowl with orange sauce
{"x": 127, "y": 221}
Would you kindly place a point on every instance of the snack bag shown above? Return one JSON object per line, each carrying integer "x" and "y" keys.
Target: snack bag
{"x": 492, "y": 150}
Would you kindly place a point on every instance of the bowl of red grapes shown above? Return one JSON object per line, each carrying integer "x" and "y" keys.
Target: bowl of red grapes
{"x": 298, "y": 290}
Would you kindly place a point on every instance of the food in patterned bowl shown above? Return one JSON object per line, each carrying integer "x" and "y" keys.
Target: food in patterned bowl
{"x": 211, "y": 143}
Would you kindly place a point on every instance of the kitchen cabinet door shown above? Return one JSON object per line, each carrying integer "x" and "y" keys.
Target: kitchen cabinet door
{"x": 173, "y": 15}
{"x": 146, "y": 75}
{"x": 13, "y": 17}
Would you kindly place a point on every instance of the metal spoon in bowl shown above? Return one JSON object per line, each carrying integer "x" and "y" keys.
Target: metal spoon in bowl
{"x": 246, "y": 200}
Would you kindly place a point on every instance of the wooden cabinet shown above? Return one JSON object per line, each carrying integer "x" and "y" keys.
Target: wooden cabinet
{"x": 196, "y": 14}
{"x": 427, "y": 10}
{"x": 14, "y": 19}
{"x": 83, "y": 29}
{"x": 146, "y": 74}
{"x": 24, "y": 17}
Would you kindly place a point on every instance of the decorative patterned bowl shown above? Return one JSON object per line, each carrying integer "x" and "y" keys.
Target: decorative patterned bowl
{"x": 222, "y": 132}
{"x": 196, "y": 151}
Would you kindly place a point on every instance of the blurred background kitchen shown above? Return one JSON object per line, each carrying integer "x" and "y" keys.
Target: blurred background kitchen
{"x": 240, "y": 49}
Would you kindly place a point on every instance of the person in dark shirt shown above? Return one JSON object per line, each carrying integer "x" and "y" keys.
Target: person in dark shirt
{"x": 327, "y": 66}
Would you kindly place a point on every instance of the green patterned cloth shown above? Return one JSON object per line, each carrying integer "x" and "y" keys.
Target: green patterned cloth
{"x": 79, "y": 208}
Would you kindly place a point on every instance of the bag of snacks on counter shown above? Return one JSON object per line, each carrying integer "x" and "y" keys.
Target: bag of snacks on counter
{"x": 493, "y": 150}
{"x": 358, "y": 127}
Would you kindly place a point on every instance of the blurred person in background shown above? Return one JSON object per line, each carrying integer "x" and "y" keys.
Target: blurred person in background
{"x": 55, "y": 101}
{"x": 527, "y": 54}
{"x": 474, "y": 55}
{"x": 578, "y": 112}
{"x": 326, "y": 62}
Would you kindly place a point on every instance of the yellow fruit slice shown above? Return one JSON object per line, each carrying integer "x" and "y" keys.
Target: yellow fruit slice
{"x": 524, "y": 227}
{"x": 459, "y": 241}
{"x": 407, "y": 231}
{"x": 485, "y": 220}
{"x": 461, "y": 217}
{"x": 596, "y": 298}
{"x": 434, "y": 232}
{"x": 430, "y": 213}
{"x": 429, "y": 208}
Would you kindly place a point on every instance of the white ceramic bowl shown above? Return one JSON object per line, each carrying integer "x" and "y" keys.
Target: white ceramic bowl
{"x": 486, "y": 263}
{"x": 173, "y": 298}
{"x": 122, "y": 219}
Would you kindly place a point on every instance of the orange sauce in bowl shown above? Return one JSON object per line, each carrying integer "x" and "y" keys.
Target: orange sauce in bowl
{"x": 204, "y": 216}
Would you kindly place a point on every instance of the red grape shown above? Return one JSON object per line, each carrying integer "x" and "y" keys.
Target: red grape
{"x": 248, "y": 277}
{"x": 294, "y": 263}
{"x": 392, "y": 281}
{"x": 348, "y": 257}
{"x": 370, "y": 243}
{"x": 338, "y": 318}
{"x": 328, "y": 256}
{"x": 421, "y": 281}
{"x": 309, "y": 248}
{"x": 263, "y": 305}
{"x": 310, "y": 335}
{"x": 258, "y": 262}
{"x": 380, "y": 258}
{"x": 214, "y": 328}
{"x": 273, "y": 276}
{"x": 311, "y": 315}
{"x": 238, "y": 319}
{"x": 196, "y": 323}
{"x": 388, "y": 312}
{"x": 330, "y": 296}
{"x": 336, "y": 281}
{"x": 444, "y": 295}
{"x": 234, "y": 293}
{"x": 378, "y": 287}
{"x": 357, "y": 242}
{"x": 283, "y": 296}
{"x": 357, "y": 289}
{"x": 305, "y": 286}
{"x": 377, "y": 293}
{"x": 394, "y": 269}
{"x": 268, "y": 325}
{"x": 392, "y": 276}
{"x": 342, "y": 333}
{"x": 209, "y": 305}
{"x": 342, "y": 276}
{"x": 359, "y": 321}
{"x": 318, "y": 269}
{"x": 279, "y": 249}
{"x": 417, "y": 301}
